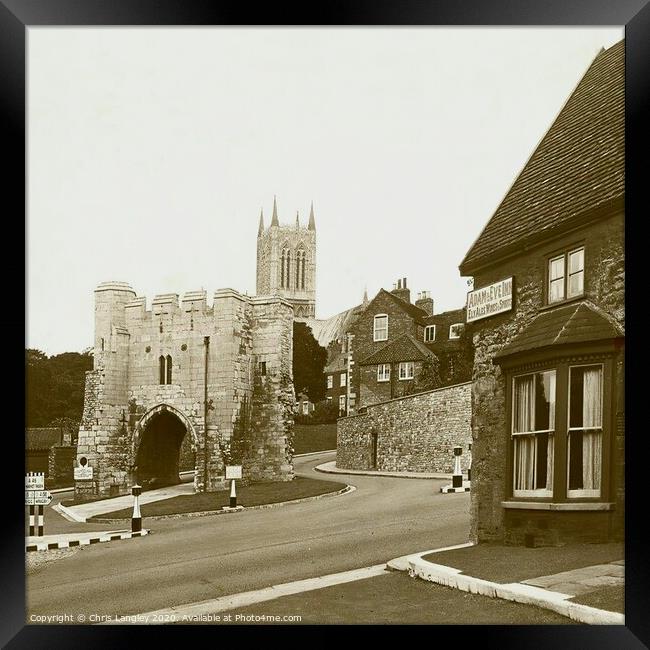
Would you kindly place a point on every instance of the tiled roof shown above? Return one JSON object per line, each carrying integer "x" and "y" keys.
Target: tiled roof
{"x": 575, "y": 323}
{"x": 578, "y": 165}
{"x": 405, "y": 348}
{"x": 41, "y": 437}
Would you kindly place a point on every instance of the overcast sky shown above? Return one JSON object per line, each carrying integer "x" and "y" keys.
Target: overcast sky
{"x": 151, "y": 152}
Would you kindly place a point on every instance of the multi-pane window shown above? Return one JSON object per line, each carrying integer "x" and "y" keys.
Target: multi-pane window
{"x": 383, "y": 372}
{"x": 342, "y": 403}
{"x": 456, "y": 330}
{"x": 533, "y": 428}
{"x": 305, "y": 408}
{"x": 343, "y": 379}
{"x": 406, "y": 370}
{"x": 429, "y": 333}
{"x": 380, "y": 329}
{"x": 585, "y": 433}
{"x": 330, "y": 381}
{"x": 566, "y": 275}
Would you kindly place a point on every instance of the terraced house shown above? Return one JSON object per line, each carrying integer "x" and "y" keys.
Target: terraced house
{"x": 548, "y": 411}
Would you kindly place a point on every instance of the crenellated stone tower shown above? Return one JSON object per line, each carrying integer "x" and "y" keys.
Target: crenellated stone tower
{"x": 286, "y": 262}
{"x": 172, "y": 387}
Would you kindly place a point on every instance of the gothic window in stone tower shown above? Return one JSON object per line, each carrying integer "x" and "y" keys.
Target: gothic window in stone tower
{"x": 285, "y": 269}
{"x": 165, "y": 369}
{"x": 300, "y": 268}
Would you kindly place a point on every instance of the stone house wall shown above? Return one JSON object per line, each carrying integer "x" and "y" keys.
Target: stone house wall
{"x": 605, "y": 287}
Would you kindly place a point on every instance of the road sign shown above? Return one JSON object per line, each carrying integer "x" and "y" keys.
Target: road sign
{"x": 233, "y": 472}
{"x": 37, "y": 498}
{"x": 83, "y": 473}
{"x": 35, "y": 481}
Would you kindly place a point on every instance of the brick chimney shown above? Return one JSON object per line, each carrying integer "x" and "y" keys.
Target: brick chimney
{"x": 400, "y": 290}
{"x": 425, "y": 301}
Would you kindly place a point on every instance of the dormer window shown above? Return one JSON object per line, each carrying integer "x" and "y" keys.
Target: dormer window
{"x": 566, "y": 274}
{"x": 380, "y": 328}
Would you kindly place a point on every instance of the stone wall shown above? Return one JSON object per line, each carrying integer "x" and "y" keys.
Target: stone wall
{"x": 415, "y": 433}
{"x": 123, "y": 391}
{"x": 604, "y": 286}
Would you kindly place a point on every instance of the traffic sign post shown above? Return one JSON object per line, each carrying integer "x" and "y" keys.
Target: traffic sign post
{"x": 36, "y": 496}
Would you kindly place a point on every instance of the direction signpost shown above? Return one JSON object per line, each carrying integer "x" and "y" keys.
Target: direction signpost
{"x": 36, "y": 496}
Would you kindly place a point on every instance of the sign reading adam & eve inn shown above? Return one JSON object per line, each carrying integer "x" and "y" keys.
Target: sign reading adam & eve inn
{"x": 490, "y": 300}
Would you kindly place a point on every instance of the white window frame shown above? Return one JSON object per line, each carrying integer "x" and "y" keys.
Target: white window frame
{"x": 305, "y": 408}
{"x": 328, "y": 398}
{"x": 343, "y": 380}
{"x": 537, "y": 492}
{"x": 330, "y": 381}
{"x": 582, "y": 493}
{"x": 451, "y": 327}
{"x": 383, "y": 372}
{"x": 341, "y": 403}
{"x": 375, "y": 330}
{"x": 406, "y": 365}
{"x": 427, "y": 329}
{"x": 566, "y": 275}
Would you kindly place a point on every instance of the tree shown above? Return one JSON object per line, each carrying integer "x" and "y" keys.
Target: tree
{"x": 309, "y": 359}
{"x": 54, "y": 386}
{"x": 429, "y": 376}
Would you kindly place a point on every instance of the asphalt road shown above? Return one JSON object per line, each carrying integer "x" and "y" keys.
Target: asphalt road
{"x": 192, "y": 559}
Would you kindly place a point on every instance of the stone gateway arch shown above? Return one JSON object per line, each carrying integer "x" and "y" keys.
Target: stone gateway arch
{"x": 172, "y": 385}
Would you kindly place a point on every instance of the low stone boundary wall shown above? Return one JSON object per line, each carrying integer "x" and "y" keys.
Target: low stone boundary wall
{"x": 416, "y": 433}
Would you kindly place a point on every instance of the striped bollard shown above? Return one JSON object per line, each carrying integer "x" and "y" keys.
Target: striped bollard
{"x": 469, "y": 466}
{"x": 136, "y": 519}
{"x": 457, "y": 478}
{"x": 35, "y": 527}
{"x": 233, "y": 494}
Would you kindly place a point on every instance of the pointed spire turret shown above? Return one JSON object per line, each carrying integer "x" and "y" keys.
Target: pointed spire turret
{"x": 297, "y": 220}
{"x": 260, "y": 230}
{"x": 312, "y": 221}
{"x": 274, "y": 218}
{"x": 365, "y": 296}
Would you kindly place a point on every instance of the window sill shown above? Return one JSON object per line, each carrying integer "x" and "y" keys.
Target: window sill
{"x": 545, "y": 505}
{"x": 561, "y": 303}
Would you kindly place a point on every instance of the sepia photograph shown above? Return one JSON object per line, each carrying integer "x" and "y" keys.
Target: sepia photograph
{"x": 326, "y": 325}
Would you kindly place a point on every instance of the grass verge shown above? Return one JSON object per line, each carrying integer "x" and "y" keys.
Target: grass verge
{"x": 611, "y": 598}
{"x": 506, "y": 564}
{"x": 251, "y": 495}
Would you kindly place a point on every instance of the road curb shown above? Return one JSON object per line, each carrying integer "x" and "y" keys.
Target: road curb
{"x": 515, "y": 591}
{"x": 71, "y": 543}
{"x": 432, "y": 476}
{"x": 208, "y": 513}
{"x": 314, "y": 453}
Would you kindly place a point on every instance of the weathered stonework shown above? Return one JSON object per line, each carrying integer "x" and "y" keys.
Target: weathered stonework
{"x": 246, "y": 344}
{"x": 415, "y": 433}
{"x": 605, "y": 288}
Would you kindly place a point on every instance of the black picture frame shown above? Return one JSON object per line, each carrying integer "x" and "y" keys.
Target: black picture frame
{"x": 17, "y": 15}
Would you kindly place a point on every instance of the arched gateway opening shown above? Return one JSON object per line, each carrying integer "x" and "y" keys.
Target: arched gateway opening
{"x": 165, "y": 449}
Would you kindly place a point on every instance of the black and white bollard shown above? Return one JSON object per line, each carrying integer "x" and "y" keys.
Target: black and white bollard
{"x": 136, "y": 519}
{"x": 233, "y": 494}
{"x": 457, "y": 478}
{"x": 35, "y": 527}
{"x": 469, "y": 466}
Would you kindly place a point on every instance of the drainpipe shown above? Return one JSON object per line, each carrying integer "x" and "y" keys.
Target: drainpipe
{"x": 206, "y": 343}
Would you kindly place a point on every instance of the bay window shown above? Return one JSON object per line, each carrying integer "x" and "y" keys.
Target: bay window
{"x": 533, "y": 428}
{"x": 585, "y": 431}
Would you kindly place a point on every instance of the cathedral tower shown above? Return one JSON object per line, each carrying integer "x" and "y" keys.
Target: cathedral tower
{"x": 286, "y": 262}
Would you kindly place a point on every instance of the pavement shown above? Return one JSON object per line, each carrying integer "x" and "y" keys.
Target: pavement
{"x": 84, "y": 511}
{"x": 331, "y": 468}
{"x": 553, "y": 592}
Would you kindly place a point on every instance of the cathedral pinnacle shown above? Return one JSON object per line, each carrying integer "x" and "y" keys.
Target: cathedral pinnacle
{"x": 274, "y": 218}
{"x": 312, "y": 221}
{"x": 260, "y": 230}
